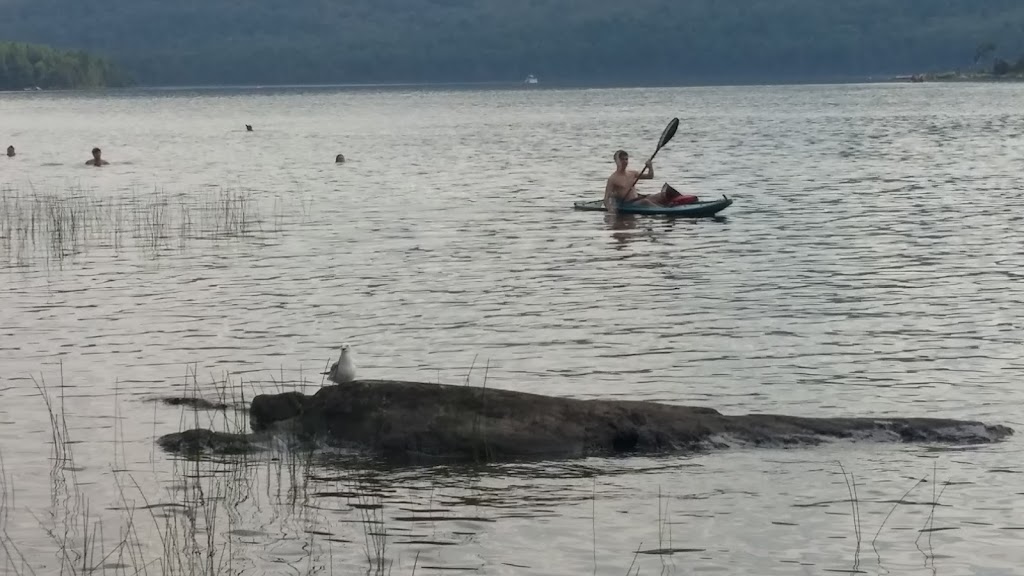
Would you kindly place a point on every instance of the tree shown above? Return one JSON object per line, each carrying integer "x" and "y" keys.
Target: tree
{"x": 30, "y": 65}
{"x": 983, "y": 51}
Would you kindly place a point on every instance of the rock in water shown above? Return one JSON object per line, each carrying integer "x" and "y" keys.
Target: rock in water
{"x": 415, "y": 421}
{"x": 400, "y": 419}
{"x": 195, "y": 442}
{"x": 266, "y": 410}
{"x": 193, "y": 402}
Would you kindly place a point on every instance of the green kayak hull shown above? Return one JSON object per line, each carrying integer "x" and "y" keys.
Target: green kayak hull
{"x": 698, "y": 209}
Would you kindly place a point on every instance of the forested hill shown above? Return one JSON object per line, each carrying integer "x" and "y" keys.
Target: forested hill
{"x": 31, "y": 66}
{"x": 329, "y": 41}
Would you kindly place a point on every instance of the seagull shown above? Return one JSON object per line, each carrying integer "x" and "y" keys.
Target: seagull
{"x": 343, "y": 370}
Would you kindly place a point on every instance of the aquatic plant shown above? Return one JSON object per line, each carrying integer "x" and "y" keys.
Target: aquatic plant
{"x": 59, "y": 225}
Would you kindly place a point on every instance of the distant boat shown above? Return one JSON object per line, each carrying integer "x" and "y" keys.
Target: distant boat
{"x": 531, "y": 79}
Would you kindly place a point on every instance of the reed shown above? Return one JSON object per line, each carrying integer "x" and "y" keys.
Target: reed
{"x": 58, "y": 225}
{"x": 189, "y": 527}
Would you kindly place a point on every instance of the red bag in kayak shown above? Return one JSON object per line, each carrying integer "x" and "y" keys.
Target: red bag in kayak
{"x": 683, "y": 199}
{"x": 677, "y": 199}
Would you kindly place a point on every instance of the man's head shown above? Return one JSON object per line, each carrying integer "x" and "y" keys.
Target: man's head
{"x": 10, "y": 151}
{"x": 621, "y": 158}
{"x": 96, "y": 153}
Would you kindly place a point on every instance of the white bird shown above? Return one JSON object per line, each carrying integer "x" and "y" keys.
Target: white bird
{"x": 344, "y": 370}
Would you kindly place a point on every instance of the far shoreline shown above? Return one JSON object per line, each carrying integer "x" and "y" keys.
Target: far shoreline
{"x": 943, "y": 77}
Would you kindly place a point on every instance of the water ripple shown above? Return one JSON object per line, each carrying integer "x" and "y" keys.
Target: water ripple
{"x": 869, "y": 265}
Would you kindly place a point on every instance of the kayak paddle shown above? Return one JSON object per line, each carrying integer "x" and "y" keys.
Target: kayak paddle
{"x": 666, "y": 136}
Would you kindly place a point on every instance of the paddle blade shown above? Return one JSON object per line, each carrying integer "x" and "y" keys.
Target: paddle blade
{"x": 669, "y": 132}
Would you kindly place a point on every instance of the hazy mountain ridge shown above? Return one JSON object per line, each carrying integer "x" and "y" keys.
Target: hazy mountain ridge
{"x": 311, "y": 41}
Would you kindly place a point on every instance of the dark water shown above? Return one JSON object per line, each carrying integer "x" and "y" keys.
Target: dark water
{"x": 869, "y": 266}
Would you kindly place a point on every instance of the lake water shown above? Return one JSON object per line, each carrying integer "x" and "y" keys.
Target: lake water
{"x": 870, "y": 266}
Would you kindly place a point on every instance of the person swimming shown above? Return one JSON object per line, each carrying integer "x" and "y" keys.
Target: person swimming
{"x": 248, "y": 127}
{"x": 339, "y": 159}
{"x": 96, "y": 159}
{"x": 10, "y": 151}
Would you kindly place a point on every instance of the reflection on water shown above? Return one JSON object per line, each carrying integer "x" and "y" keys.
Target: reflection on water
{"x": 632, "y": 228}
{"x": 869, "y": 266}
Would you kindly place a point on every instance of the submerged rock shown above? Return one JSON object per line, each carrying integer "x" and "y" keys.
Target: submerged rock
{"x": 194, "y": 403}
{"x": 411, "y": 420}
{"x": 193, "y": 442}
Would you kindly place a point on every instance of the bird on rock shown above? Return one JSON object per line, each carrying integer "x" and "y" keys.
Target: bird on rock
{"x": 344, "y": 370}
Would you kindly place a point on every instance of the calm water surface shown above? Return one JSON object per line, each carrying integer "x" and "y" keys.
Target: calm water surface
{"x": 871, "y": 265}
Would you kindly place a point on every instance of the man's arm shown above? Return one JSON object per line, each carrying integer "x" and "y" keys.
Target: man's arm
{"x": 644, "y": 174}
{"x": 648, "y": 172}
{"x": 609, "y": 204}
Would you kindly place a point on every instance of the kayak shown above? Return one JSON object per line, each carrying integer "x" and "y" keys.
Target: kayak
{"x": 698, "y": 209}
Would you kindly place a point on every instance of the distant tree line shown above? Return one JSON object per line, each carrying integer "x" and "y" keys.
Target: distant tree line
{"x": 163, "y": 42}
{"x": 1000, "y": 66}
{"x": 35, "y": 66}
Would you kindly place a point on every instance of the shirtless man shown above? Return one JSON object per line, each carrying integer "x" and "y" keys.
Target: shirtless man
{"x": 96, "y": 160}
{"x": 619, "y": 189}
